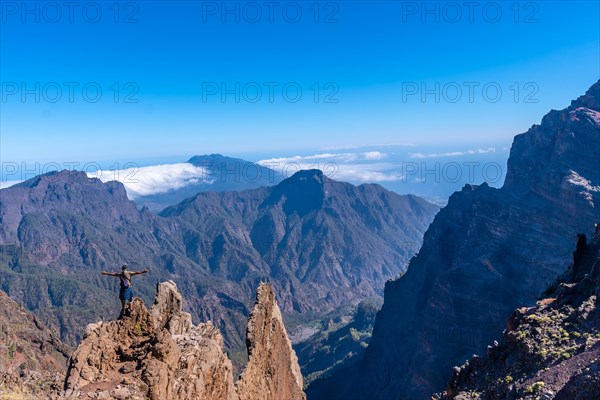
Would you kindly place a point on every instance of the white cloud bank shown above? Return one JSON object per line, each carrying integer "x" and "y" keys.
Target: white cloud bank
{"x": 5, "y": 184}
{"x": 365, "y": 146}
{"x": 329, "y": 157}
{"x": 155, "y": 179}
{"x": 353, "y": 167}
{"x": 452, "y": 153}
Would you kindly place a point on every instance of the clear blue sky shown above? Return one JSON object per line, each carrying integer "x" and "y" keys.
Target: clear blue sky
{"x": 369, "y": 53}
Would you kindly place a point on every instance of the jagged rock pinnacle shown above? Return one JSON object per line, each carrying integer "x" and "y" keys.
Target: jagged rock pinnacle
{"x": 159, "y": 354}
{"x": 270, "y": 351}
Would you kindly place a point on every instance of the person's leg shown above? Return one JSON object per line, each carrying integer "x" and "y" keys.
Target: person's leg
{"x": 128, "y": 296}
{"x": 123, "y": 302}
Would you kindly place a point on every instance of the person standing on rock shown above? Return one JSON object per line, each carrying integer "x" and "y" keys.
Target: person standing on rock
{"x": 125, "y": 291}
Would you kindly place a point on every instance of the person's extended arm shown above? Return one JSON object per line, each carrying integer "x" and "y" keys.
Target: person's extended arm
{"x": 140, "y": 272}
{"x": 109, "y": 273}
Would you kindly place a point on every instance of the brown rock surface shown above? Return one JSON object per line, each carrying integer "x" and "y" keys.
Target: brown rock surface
{"x": 159, "y": 354}
{"x": 272, "y": 372}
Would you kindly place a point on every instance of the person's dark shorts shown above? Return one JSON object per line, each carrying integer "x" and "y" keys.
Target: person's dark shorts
{"x": 126, "y": 294}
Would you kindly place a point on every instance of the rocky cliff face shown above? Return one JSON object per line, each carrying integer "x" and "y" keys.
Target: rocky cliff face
{"x": 549, "y": 351}
{"x": 33, "y": 361}
{"x": 272, "y": 372}
{"x": 487, "y": 252}
{"x": 159, "y": 354}
{"x": 314, "y": 238}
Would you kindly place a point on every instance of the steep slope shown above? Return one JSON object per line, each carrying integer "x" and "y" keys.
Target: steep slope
{"x": 551, "y": 350}
{"x": 33, "y": 361}
{"x": 59, "y": 230}
{"x": 314, "y": 237}
{"x": 272, "y": 372}
{"x": 486, "y": 253}
{"x": 222, "y": 174}
{"x": 159, "y": 354}
{"x": 339, "y": 342}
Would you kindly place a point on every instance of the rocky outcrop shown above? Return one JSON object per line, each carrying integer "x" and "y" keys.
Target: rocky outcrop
{"x": 33, "y": 361}
{"x": 272, "y": 372}
{"x": 549, "y": 351}
{"x": 486, "y": 253}
{"x": 159, "y": 354}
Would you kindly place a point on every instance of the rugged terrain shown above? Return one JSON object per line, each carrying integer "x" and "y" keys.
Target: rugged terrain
{"x": 313, "y": 237}
{"x": 338, "y": 341}
{"x": 487, "y": 252}
{"x": 159, "y": 354}
{"x": 549, "y": 351}
{"x": 33, "y": 361}
{"x": 322, "y": 244}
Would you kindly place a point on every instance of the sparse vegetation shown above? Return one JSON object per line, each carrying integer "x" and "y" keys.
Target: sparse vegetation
{"x": 11, "y": 350}
{"x": 536, "y": 387}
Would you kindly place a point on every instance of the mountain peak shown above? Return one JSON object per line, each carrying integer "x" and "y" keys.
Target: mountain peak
{"x": 307, "y": 177}
{"x": 268, "y": 346}
{"x": 69, "y": 186}
{"x": 63, "y": 192}
{"x": 308, "y": 174}
{"x": 566, "y": 142}
{"x": 56, "y": 177}
{"x": 591, "y": 98}
{"x": 302, "y": 192}
{"x": 209, "y": 157}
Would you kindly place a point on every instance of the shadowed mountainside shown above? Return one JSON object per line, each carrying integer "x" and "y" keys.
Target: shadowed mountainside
{"x": 487, "y": 252}
{"x": 551, "y": 350}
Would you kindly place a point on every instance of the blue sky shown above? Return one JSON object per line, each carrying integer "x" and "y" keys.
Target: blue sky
{"x": 361, "y": 68}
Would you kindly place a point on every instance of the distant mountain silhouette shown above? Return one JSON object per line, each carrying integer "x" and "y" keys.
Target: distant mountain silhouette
{"x": 222, "y": 174}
